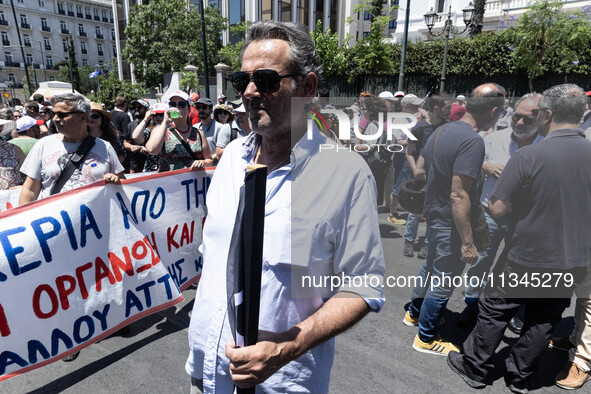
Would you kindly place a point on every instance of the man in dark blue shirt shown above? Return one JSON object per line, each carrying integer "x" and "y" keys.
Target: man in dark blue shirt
{"x": 439, "y": 107}
{"x": 545, "y": 188}
{"x": 451, "y": 162}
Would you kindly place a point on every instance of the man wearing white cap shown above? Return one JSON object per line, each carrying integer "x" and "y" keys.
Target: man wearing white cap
{"x": 230, "y": 131}
{"x": 458, "y": 108}
{"x": 221, "y": 100}
{"x": 402, "y": 172}
{"x": 28, "y": 133}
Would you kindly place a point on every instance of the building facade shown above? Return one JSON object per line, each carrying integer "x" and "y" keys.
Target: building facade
{"x": 498, "y": 15}
{"x": 45, "y": 28}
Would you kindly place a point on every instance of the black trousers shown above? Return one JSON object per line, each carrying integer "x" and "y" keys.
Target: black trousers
{"x": 495, "y": 312}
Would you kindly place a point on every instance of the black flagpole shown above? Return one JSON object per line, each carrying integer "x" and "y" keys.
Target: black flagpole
{"x": 245, "y": 260}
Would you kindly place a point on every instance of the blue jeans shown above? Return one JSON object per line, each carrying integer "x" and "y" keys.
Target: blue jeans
{"x": 432, "y": 291}
{"x": 405, "y": 174}
{"x": 497, "y": 229}
{"x": 412, "y": 227}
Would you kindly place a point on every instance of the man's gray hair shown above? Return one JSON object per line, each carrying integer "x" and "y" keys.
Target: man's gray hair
{"x": 567, "y": 103}
{"x": 529, "y": 96}
{"x": 303, "y": 56}
{"x": 79, "y": 102}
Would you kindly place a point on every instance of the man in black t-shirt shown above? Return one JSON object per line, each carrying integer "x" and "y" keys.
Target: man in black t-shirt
{"x": 136, "y": 158}
{"x": 439, "y": 107}
{"x": 545, "y": 188}
{"x": 121, "y": 120}
{"x": 451, "y": 163}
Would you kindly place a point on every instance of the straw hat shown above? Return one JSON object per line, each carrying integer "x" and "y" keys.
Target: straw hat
{"x": 97, "y": 107}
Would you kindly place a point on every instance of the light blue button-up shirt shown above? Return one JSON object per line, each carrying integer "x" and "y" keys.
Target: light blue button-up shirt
{"x": 330, "y": 230}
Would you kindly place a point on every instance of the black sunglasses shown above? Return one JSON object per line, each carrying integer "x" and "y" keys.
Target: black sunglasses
{"x": 266, "y": 81}
{"x": 527, "y": 120}
{"x": 178, "y": 104}
{"x": 95, "y": 116}
{"x": 62, "y": 115}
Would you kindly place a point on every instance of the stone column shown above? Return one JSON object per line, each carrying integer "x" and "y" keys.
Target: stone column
{"x": 221, "y": 70}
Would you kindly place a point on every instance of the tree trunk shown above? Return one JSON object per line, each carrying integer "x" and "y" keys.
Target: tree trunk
{"x": 476, "y": 25}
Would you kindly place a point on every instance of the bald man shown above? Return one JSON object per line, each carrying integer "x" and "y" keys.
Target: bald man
{"x": 450, "y": 163}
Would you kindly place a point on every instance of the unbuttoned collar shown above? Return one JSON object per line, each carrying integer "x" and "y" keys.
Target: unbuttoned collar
{"x": 301, "y": 152}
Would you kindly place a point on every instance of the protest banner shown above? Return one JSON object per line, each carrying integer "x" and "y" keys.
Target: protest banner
{"x": 78, "y": 266}
{"x": 9, "y": 199}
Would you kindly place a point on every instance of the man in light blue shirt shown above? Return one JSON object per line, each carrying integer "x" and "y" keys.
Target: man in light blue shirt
{"x": 320, "y": 222}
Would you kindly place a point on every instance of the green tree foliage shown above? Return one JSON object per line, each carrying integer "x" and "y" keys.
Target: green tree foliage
{"x": 372, "y": 54}
{"x": 87, "y": 84}
{"x": 332, "y": 54}
{"x": 188, "y": 81}
{"x": 112, "y": 86}
{"x": 162, "y": 33}
{"x": 75, "y": 72}
{"x": 231, "y": 53}
{"x": 548, "y": 38}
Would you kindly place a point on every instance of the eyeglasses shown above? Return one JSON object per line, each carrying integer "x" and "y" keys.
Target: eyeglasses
{"x": 201, "y": 107}
{"x": 95, "y": 116}
{"x": 266, "y": 81}
{"x": 62, "y": 115}
{"x": 159, "y": 114}
{"x": 139, "y": 108}
{"x": 527, "y": 120}
{"x": 178, "y": 104}
{"x": 43, "y": 112}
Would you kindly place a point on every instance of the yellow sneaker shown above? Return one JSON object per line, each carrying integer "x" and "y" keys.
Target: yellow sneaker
{"x": 409, "y": 320}
{"x": 414, "y": 321}
{"x": 397, "y": 220}
{"x": 437, "y": 346}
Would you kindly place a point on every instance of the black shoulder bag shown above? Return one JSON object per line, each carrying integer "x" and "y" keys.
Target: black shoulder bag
{"x": 185, "y": 143}
{"x": 74, "y": 161}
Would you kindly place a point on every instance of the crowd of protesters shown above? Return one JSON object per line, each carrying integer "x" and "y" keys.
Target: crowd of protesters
{"x": 481, "y": 153}
{"x": 516, "y": 164}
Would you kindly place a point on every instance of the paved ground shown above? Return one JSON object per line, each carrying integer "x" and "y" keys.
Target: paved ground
{"x": 373, "y": 357}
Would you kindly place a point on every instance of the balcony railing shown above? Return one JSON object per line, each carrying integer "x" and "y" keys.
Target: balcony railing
{"x": 101, "y": 53}
{"x": 6, "y": 43}
{"x": 27, "y": 44}
{"x": 80, "y": 15}
{"x": 84, "y": 51}
{"x": 48, "y": 66}
{"x": 12, "y": 64}
{"x": 25, "y": 26}
{"x": 97, "y": 18}
{"x": 88, "y": 16}
{"x": 99, "y": 36}
{"x": 45, "y": 28}
{"x": 105, "y": 19}
{"x": 4, "y": 22}
{"x": 70, "y": 13}
{"x": 83, "y": 34}
{"x": 65, "y": 31}
{"x": 48, "y": 47}
{"x": 61, "y": 12}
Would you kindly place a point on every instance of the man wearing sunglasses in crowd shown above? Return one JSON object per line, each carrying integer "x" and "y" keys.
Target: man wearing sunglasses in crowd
{"x": 327, "y": 196}
{"x": 499, "y": 147}
{"x": 49, "y": 156}
{"x": 208, "y": 125}
{"x": 134, "y": 156}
